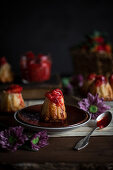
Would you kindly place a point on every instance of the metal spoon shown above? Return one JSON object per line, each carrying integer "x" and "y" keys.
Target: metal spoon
{"x": 101, "y": 122}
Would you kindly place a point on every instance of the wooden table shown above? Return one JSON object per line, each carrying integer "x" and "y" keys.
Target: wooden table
{"x": 99, "y": 150}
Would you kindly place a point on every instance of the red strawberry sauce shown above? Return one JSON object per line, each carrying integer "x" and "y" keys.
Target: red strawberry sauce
{"x": 92, "y": 76}
{"x": 55, "y": 96}
{"x": 14, "y": 88}
{"x": 100, "y": 79}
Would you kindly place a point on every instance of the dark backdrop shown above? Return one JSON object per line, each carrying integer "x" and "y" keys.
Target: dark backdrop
{"x": 51, "y": 26}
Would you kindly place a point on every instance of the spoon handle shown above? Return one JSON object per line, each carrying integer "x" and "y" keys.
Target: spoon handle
{"x": 84, "y": 142}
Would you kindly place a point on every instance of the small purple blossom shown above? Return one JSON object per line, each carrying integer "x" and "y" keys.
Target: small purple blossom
{"x": 12, "y": 138}
{"x": 77, "y": 80}
{"x": 94, "y": 105}
{"x": 39, "y": 140}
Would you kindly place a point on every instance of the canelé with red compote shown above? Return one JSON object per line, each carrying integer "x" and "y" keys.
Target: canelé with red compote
{"x": 53, "y": 109}
{"x": 11, "y": 99}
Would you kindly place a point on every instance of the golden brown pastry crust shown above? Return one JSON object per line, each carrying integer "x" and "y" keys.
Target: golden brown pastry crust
{"x": 52, "y": 112}
{"x": 104, "y": 91}
{"x": 11, "y": 102}
{"x": 6, "y": 74}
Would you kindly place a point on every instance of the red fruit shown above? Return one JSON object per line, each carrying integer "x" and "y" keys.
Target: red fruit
{"x": 30, "y": 55}
{"x": 108, "y": 48}
{"x": 3, "y": 61}
{"x": 92, "y": 76}
{"x": 57, "y": 92}
{"x": 111, "y": 79}
{"x": 14, "y": 88}
{"x": 98, "y": 83}
{"x": 98, "y": 39}
{"x": 42, "y": 57}
{"x": 55, "y": 96}
{"x": 100, "y": 79}
{"x": 100, "y": 48}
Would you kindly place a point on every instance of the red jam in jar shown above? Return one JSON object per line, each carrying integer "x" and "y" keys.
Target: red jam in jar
{"x": 35, "y": 68}
{"x": 55, "y": 96}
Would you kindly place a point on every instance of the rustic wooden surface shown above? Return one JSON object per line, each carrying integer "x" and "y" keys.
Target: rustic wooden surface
{"x": 99, "y": 150}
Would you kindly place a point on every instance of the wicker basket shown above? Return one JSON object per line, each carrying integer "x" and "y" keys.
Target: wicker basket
{"x": 85, "y": 62}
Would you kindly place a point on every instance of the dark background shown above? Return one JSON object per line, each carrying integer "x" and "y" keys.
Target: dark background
{"x": 51, "y": 26}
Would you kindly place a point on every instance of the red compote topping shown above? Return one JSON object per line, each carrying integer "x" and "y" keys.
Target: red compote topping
{"x": 111, "y": 79}
{"x": 14, "y": 88}
{"x": 55, "y": 96}
{"x": 92, "y": 76}
{"x": 3, "y": 61}
{"x": 100, "y": 79}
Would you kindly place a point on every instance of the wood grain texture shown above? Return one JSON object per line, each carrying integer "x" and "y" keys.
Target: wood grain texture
{"x": 99, "y": 150}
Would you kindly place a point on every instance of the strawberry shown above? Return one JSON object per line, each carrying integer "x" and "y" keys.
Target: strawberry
{"x": 55, "y": 96}
{"x": 99, "y": 39}
{"x": 100, "y": 79}
{"x": 108, "y": 48}
{"x": 30, "y": 55}
{"x": 111, "y": 79}
{"x": 100, "y": 48}
{"x": 42, "y": 58}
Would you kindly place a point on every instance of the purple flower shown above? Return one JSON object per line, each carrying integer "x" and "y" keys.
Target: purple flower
{"x": 39, "y": 140}
{"x": 12, "y": 138}
{"x": 77, "y": 80}
{"x": 94, "y": 105}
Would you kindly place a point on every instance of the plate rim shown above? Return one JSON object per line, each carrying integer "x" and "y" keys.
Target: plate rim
{"x": 52, "y": 128}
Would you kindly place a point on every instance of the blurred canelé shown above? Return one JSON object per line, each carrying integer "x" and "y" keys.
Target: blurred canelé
{"x": 93, "y": 55}
{"x": 53, "y": 109}
{"x": 100, "y": 85}
{"x": 87, "y": 83}
{"x": 6, "y": 74}
{"x": 11, "y": 99}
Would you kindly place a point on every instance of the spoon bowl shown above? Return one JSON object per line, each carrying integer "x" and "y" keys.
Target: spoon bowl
{"x": 104, "y": 119}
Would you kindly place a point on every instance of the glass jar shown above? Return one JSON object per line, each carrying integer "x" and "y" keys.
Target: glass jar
{"x": 35, "y": 68}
